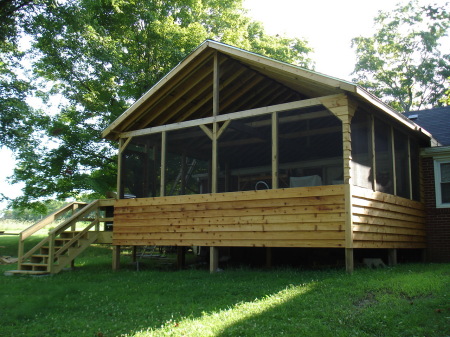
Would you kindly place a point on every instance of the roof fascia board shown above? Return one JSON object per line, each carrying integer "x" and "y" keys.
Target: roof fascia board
{"x": 285, "y": 67}
{"x": 380, "y": 105}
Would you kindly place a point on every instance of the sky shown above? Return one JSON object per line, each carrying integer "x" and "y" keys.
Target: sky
{"x": 327, "y": 25}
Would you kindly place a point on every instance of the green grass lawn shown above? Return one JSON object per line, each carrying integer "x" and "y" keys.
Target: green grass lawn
{"x": 92, "y": 300}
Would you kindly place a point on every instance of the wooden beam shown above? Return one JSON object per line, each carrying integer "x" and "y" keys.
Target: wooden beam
{"x": 206, "y": 130}
{"x": 394, "y": 171}
{"x": 116, "y": 258}
{"x": 216, "y": 85}
{"x": 214, "y": 166}
{"x": 274, "y": 150}
{"x": 374, "y": 166}
{"x": 213, "y": 259}
{"x": 349, "y": 260}
{"x": 392, "y": 257}
{"x": 119, "y": 168}
{"x": 223, "y": 128}
{"x": 163, "y": 163}
{"x": 230, "y": 116}
{"x": 410, "y": 182}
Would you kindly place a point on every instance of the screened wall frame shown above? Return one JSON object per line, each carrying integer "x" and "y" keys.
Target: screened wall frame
{"x": 385, "y": 158}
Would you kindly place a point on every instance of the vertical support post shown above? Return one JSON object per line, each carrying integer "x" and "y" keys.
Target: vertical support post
{"x": 216, "y": 84}
{"x": 181, "y": 257}
{"x": 214, "y": 166}
{"x": 20, "y": 253}
{"x": 347, "y": 147}
{"x": 134, "y": 254}
{"x": 213, "y": 259}
{"x": 51, "y": 253}
{"x": 274, "y": 150}
{"x": 163, "y": 163}
{"x": 119, "y": 169}
{"x": 394, "y": 171}
{"x": 116, "y": 258}
{"x": 374, "y": 166}
{"x": 392, "y": 257}
{"x": 344, "y": 109}
{"x": 409, "y": 170}
{"x": 154, "y": 170}
{"x": 214, "y": 251}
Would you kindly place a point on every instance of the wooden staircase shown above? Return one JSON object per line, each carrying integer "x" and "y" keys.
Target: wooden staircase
{"x": 66, "y": 241}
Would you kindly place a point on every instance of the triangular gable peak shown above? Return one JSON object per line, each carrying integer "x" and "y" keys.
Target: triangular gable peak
{"x": 236, "y": 80}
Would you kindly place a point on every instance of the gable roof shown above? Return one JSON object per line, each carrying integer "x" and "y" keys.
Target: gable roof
{"x": 247, "y": 81}
{"x": 436, "y": 121}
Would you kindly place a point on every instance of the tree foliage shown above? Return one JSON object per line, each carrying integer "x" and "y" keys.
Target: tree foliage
{"x": 101, "y": 56}
{"x": 401, "y": 62}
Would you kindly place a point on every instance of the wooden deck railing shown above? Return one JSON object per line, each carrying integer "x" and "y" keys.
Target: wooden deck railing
{"x": 26, "y": 233}
{"x": 89, "y": 213}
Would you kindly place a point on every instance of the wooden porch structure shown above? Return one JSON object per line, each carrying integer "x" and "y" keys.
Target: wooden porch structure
{"x": 338, "y": 168}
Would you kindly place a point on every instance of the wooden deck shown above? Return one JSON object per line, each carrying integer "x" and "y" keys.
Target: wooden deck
{"x": 382, "y": 220}
{"x": 293, "y": 217}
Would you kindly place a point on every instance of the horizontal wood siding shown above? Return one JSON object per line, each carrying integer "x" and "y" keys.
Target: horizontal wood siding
{"x": 294, "y": 217}
{"x": 385, "y": 221}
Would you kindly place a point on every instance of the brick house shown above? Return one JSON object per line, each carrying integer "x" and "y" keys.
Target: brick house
{"x": 436, "y": 181}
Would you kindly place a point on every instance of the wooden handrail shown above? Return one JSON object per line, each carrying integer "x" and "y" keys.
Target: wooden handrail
{"x": 75, "y": 238}
{"x": 71, "y": 221}
{"x": 49, "y": 219}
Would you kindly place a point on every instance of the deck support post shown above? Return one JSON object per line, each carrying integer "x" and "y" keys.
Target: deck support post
{"x": 392, "y": 257}
{"x": 213, "y": 259}
{"x": 116, "y": 258}
{"x": 181, "y": 257}
{"x": 134, "y": 254}
{"x": 349, "y": 261}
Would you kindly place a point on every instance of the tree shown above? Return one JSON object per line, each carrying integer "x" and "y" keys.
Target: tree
{"x": 401, "y": 62}
{"x": 103, "y": 55}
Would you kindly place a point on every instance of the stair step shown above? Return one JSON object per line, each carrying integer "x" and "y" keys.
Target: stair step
{"x": 25, "y": 272}
{"x": 34, "y": 264}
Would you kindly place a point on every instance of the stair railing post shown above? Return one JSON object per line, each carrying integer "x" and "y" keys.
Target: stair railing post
{"x": 51, "y": 252}
{"x": 20, "y": 253}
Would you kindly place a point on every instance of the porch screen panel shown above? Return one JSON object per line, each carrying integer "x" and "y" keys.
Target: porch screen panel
{"x": 244, "y": 155}
{"x": 188, "y": 164}
{"x": 383, "y": 157}
{"x": 141, "y": 167}
{"x": 310, "y": 148}
{"x": 362, "y": 149}
{"x": 401, "y": 164}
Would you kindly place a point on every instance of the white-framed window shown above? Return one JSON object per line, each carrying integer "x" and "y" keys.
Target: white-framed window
{"x": 442, "y": 181}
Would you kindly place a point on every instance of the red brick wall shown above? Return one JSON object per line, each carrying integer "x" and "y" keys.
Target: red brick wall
{"x": 437, "y": 220}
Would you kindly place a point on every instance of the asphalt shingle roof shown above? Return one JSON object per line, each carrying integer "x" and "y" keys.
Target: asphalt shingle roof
{"x": 436, "y": 121}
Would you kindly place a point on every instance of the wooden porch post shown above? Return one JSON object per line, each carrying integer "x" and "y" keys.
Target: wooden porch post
{"x": 214, "y": 251}
{"x": 344, "y": 109}
{"x": 392, "y": 257}
{"x": 274, "y": 150}
{"x": 116, "y": 258}
{"x": 162, "y": 192}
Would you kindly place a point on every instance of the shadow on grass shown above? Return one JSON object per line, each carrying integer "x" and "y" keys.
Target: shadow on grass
{"x": 93, "y": 301}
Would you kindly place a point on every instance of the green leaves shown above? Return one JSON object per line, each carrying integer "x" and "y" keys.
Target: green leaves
{"x": 100, "y": 57}
{"x": 401, "y": 62}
